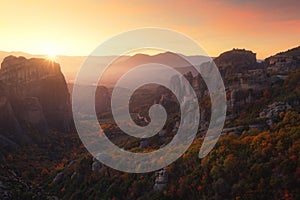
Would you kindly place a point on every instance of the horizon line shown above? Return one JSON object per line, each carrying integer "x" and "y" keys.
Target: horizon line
{"x": 147, "y": 54}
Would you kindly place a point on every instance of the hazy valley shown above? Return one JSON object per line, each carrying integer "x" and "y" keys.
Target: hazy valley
{"x": 257, "y": 156}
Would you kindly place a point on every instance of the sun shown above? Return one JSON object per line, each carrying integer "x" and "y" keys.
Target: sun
{"x": 50, "y": 51}
{"x": 52, "y": 57}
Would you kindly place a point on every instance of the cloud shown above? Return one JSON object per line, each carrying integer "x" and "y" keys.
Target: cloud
{"x": 270, "y": 10}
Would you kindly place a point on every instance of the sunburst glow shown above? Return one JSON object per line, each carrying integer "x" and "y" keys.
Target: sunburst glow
{"x": 50, "y": 51}
{"x": 52, "y": 57}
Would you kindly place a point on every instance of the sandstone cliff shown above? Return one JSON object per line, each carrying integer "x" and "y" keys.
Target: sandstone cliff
{"x": 34, "y": 98}
{"x": 236, "y": 61}
{"x": 283, "y": 62}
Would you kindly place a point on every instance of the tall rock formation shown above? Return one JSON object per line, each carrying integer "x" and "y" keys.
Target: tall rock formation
{"x": 34, "y": 96}
{"x": 283, "y": 62}
{"x": 237, "y": 63}
{"x": 243, "y": 76}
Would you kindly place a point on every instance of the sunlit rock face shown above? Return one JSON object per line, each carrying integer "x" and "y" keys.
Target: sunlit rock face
{"x": 44, "y": 80}
{"x": 16, "y": 70}
{"x": 240, "y": 70}
{"x": 283, "y": 62}
{"x": 33, "y": 94}
{"x": 236, "y": 60}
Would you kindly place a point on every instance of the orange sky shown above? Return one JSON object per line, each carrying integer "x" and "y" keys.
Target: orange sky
{"x": 76, "y": 27}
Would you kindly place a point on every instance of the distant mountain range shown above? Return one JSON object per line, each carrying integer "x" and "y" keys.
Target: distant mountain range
{"x": 70, "y": 65}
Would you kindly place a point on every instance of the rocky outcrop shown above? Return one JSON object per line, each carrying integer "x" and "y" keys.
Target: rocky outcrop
{"x": 33, "y": 98}
{"x": 240, "y": 70}
{"x": 161, "y": 180}
{"x": 243, "y": 77}
{"x": 274, "y": 109}
{"x": 33, "y": 114}
{"x": 236, "y": 61}
{"x": 103, "y": 100}
{"x": 283, "y": 62}
{"x": 16, "y": 70}
{"x": 11, "y": 131}
{"x": 96, "y": 165}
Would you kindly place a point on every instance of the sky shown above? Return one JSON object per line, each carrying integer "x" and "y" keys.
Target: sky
{"x": 77, "y": 27}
